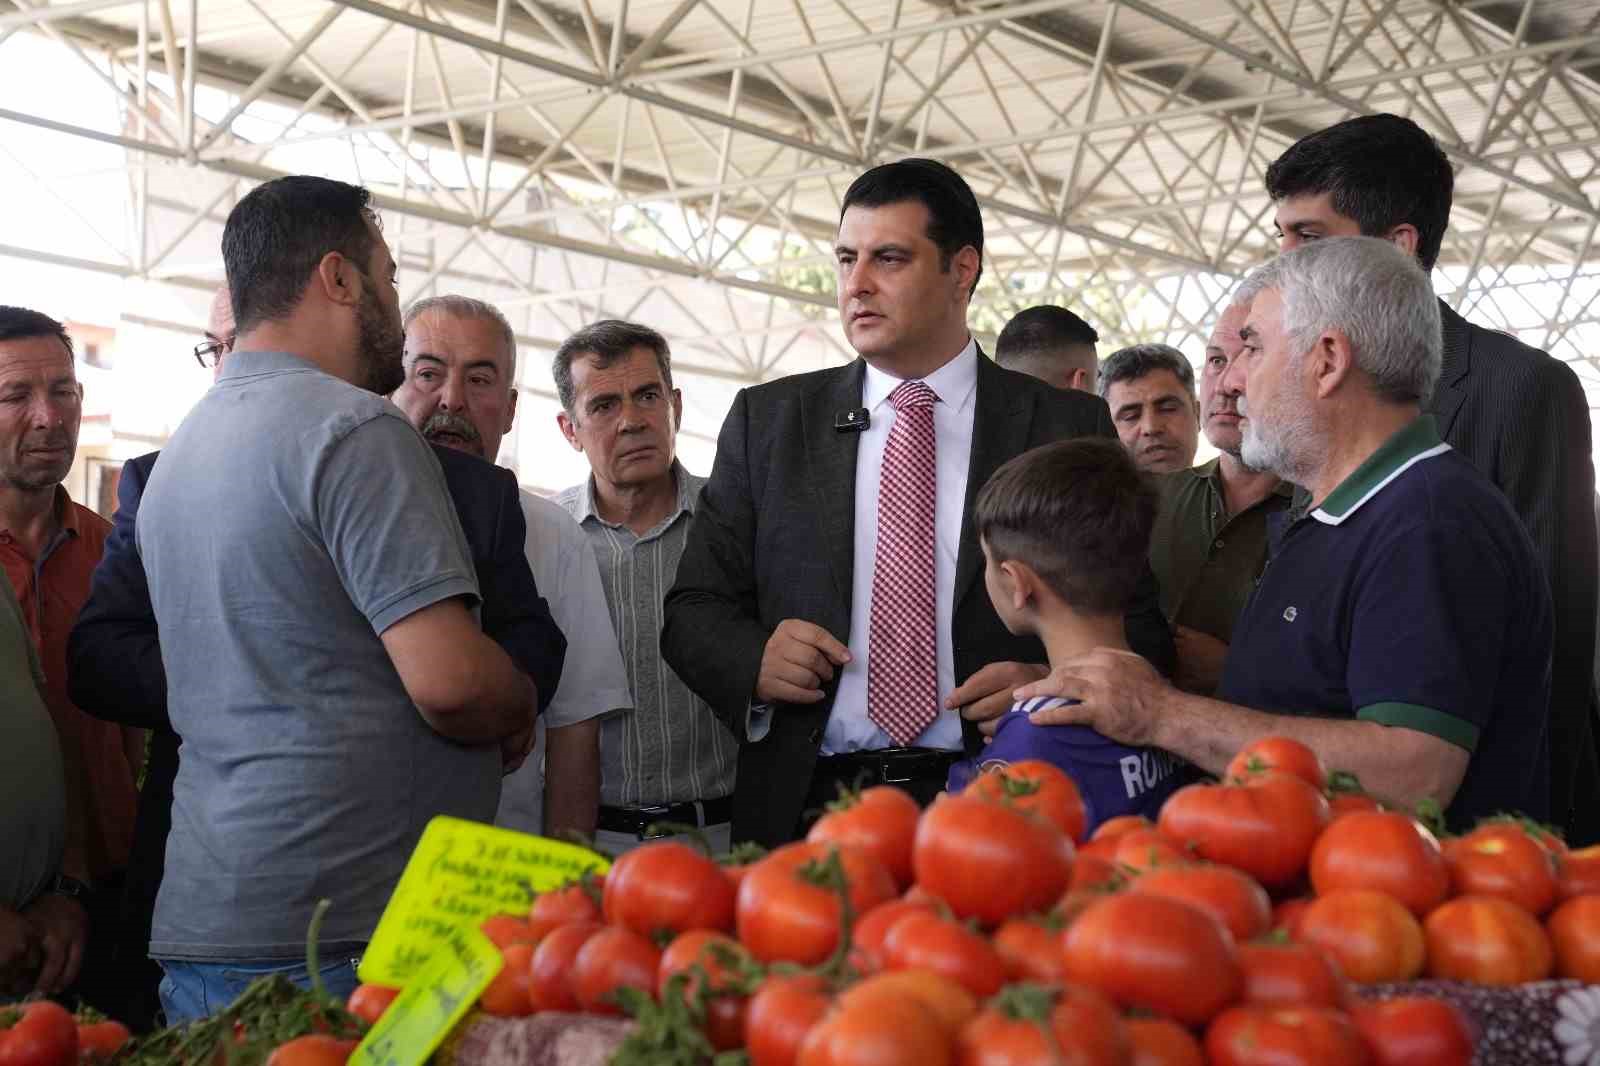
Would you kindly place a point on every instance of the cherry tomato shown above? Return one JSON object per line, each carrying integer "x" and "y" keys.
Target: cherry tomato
{"x": 98, "y": 1041}
{"x": 368, "y": 1002}
{"x": 1041, "y": 788}
{"x": 1414, "y": 1031}
{"x": 929, "y": 942}
{"x": 787, "y": 909}
{"x": 1229, "y": 896}
{"x": 1278, "y": 753}
{"x": 988, "y": 861}
{"x": 667, "y": 887}
{"x": 1146, "y": 951}
{"x": 866, "y": 937}
{"x": 615, "y": 957}
{"x": 881, "y": 821}
{"x": 782, "y": 1011}
{"x": 576, "y": 902}
{"x": 507, "y": 995}
{"x": 1283, "y": 975}
{"x": 1161, "y": 1042}
{"x": 315, "y": 1050}
{"x": 1502, "y": 859}
{"x": 1580, "y": 872}
{"x": 550, "y": 973}
{"x": 507, "y": 929}
{"x": 716, "y": 956}
{"x": 1368, "y": 934}
{"x": 45, "y": 1035}
{"x": 1266, "y": 827}
{"x": 1488, "y": 941}
{"x": 1574, "y": 930}
{"x": 1030, "y": 949}
{"x": 888, "y": 1029}
{"x": 1384, "y": 851}
{"x": 1284, "y": 1036}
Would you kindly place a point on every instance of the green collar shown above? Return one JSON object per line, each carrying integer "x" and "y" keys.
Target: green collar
{"x": 1408, "y": 446}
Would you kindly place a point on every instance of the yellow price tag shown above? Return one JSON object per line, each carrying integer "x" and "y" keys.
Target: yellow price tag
{"x": 461, "y": 873}
{"x": 421, "y": 1017}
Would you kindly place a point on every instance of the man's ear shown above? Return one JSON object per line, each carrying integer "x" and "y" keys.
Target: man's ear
{"x": 1332, "y": 361}
{"x": 569, "y": 430}
{"x": 511, "y": 411}
{"x": 1405, "y": 237}
{"x": 965, "y": 264}
{"x": 338, "y": 279}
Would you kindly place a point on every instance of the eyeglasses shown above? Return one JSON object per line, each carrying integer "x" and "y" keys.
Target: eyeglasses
{"x": 208, "y": 353}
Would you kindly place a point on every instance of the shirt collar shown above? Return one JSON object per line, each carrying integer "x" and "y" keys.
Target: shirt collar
{"x": 244, "y": 364}
{"x": 1211, "y": 470}
{"x": 1408, "y": 446}
{"x": 66, "y": 514}
{"x": 955, "y": 382}
{"x": 688, "y": 495}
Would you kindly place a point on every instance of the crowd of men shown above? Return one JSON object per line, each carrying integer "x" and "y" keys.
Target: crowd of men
{"x": 322, "y": 615}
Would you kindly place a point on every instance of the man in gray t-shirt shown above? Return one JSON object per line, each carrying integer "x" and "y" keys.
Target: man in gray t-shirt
{"x": 313, "y": 592}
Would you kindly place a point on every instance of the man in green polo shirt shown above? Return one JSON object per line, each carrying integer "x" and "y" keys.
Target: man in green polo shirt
{"x": 1402, "y": 627}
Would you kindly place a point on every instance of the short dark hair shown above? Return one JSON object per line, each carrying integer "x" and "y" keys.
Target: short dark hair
{"x": 21, "y": 323}
{"x": 606, "y": 342}
{"x": 954, "y": 220}
{"x": 275, "y": 237}
{"x": 1137, "y": 360}
{"x": 1381, "y": 169}
{"x": 1041, "y": 331}
{"x": 1080, "y": 514}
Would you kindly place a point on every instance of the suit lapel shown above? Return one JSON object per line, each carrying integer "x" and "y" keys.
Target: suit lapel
{"x": 1000, "y": 424}
{"x": 1454, "y": 367}
{"x": 831, "y": 463}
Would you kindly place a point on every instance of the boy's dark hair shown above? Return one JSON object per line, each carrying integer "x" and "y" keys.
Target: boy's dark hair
{"x": 275, "y": 237}
{"x": 1381, "y": 169}
{"x": 605, "y": 342}
{"x": 1080, "y": 514}
{"x": 1041, "y": 331}
{"x": 954, "y": 220}
{"x": 21, "y": 323}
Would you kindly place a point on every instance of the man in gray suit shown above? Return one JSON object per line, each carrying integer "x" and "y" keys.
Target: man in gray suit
{"x": 1519, "y": 415}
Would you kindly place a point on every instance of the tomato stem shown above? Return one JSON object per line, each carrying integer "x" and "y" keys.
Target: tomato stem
{"x": 313, "y": 931}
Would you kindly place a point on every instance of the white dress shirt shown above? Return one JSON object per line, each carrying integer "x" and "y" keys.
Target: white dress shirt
{"x": 849, "y": 728}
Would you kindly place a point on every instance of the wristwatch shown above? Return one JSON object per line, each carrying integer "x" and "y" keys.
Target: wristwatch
{"x": 70, "y": 887}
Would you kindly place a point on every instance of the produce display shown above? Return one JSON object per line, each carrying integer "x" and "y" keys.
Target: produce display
{"x": 1275, "y": 918}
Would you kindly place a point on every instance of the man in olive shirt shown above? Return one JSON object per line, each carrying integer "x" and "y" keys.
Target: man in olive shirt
{"x": 1210, "y": 538}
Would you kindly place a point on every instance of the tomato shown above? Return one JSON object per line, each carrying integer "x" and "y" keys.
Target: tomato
{"x": 315, "y": 1050}
{"x": 1574, "y": 931}
{"x": 1384, "y": 851}
{"x": 550, "y": 973}
{"x": 1278, "y": 753}
{"x": 1139, "y": 850}
{"x": 1041, "y": 788}
{"x": 929, "y": 942}
{"x": 881, "y": 821}
{"x": 1229, "y": 896}
{"x": 887, "y": 1029}
{"x": 1095, "y": 871}
{"x": 1161, "y": 1042}
{"x": 1368, "y": 934}
{"x": 1284, "y": 1036}
{"x": 1414, "y": 1031}
{"x": 1149, "y": 951}
{"x": 1580, "y": 873}
{"x": 988, "y": 861}
{"x": 1121, "y": 825}
{"x": 1283, "y": 975}
{"x": 615, "y": 957}
{"x": 782, "y": 1011}
{"x": 507, "y": 995}
{"x": 507, "y": 929}
{"x": 1502, "y": 859}
{"x": 1488, "y": 941}
{"x": 1030, "y": 949}
{"x": 98, "y": 1041}
{"x": 1343, "y": 803}
{"x": 1088, "y": 1029}
{"x": 1286, "y": 915}
{"x": 1023, "y": 1028}
{"x": 866, "y": 937}
{"x": 952, "y": 1004}
{"x": 44, "y": 1035}
{"x": 667, "y": 886}
{"x": 717, "y": 956}
{"x": 577, "y": 902}
{"x": 368, "y": 1002}
{"x": 1265, "y": 828}
{"x": 787, "y": 910}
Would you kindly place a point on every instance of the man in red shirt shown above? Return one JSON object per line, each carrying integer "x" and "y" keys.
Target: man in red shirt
{"x": 49, "y": 547}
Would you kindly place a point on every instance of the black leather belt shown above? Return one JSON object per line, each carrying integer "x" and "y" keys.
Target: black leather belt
{"x": 888, "y": 766}
{"x": 635, "y": 820}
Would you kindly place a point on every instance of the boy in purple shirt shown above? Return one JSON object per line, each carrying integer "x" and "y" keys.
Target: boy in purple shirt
{"x": 1065, "y": 530}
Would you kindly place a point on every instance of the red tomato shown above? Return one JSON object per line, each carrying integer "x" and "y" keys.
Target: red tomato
{"x": 718, "y": 957}
{"x": 988, "y": 861}
{"x": 881, "y": 821}
{"x": 45, "y": 1035}
{"x": 1121, "y": 825}
{"x": 1024, "y": 1029}
{"x": 1414, "y": 1031}
{"x": 550, "y": 973}
{"x": 1146, "y": 951}
{"x": 1030, "y": 949}
{"x": 787, "y": 910}
{"x": 1095, "y": 871}
{"x": 883, "y": 1030}
{"x": 1574, "y": 931}
{"x": 1139, "y": 850}
{"x": 1286, "y": 915}
{"x": 1284, "y": 1036}
{"x": 1161, "y": 1042}
{"x": 1229, "y": 896}
{"x": 1278, "y": 753}
{"x": 1265, "y": 828}
{"x": 952, "y": 1004}
{"x": 1384, "y": 851}
{"x": 1488, "y": 941}
{"x": 507, "y": 995}
{"x": 1343, "y": 803}
{"x": 929, "y": 942}
{"x": 316, "y": 1050}
{"x": 98, "y": 1041}
{"x": 507, "y": 929}
{"x": 1502, "y": 859}
{"x": 576, "y": 902}
{"x": 782, "y": 1011}
{"x": 866, "y": 937}
{"x": 1283, "y": 975}
{"x": 667, "y": 886}
{"x": 1368, "y": 934}
{"x": 368, "y": 1002}
{"x": 1580, "y": 872}
{"x": 1040, "y": 787}
{"x": 615, "y": 957}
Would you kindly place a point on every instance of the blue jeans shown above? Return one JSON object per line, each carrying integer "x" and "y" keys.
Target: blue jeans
{"x": 193, "y": 990}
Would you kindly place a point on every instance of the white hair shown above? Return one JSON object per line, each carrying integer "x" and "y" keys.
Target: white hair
{"x": 469, "y": 308}
{"x": 1373, "y": 293}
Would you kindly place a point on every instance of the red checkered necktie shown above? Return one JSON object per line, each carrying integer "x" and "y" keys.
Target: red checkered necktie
{"x": 902, "y": 660}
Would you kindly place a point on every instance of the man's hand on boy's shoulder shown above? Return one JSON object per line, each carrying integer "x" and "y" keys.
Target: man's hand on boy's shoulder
{"x": 986, "y": 695}
{"x": 1118, "y": 694}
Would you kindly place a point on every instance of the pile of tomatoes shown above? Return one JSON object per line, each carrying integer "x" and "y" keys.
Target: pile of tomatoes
{"x": 47, "y": 1034}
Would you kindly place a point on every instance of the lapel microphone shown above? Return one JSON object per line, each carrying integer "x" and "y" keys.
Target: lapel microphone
{"x": 855, "y": 420}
